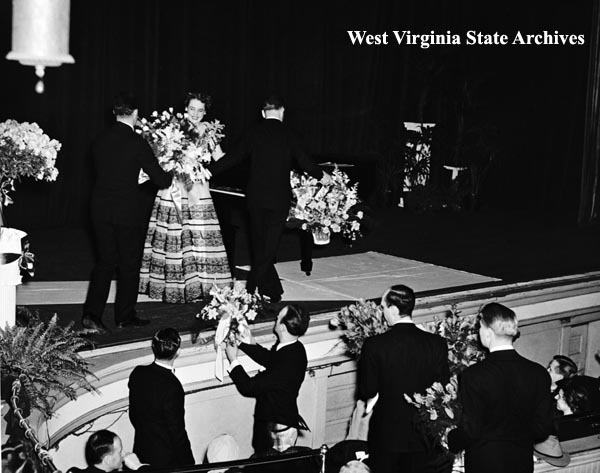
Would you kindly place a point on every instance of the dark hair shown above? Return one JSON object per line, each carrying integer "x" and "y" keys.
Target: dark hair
{"x": 501, "y": 319}
{"x": 403, "y": 297}
{"x": 566, "y": 366}
{"x": 273, "y": 102}
{"x": 98, "y": 445}
{"x": 296, "y": 319}
{"x": 124, "y": 104}
{"x": 576, "y": 394}
{"x": 165, "y": 343}
{"x": 204, "y": 98}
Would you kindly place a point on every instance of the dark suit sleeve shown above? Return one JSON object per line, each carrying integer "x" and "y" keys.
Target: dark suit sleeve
{"x": 470, "y": 428}
{"x": 151, "y": 167}
{"x": 175, "y": 424}
{"x": 256, "y": 385}
{"x": 443, "y": 374}
{"x": 304, "y": 161}
{"x": 368, "y": 374}
{"x": 231, "y": 159}
{"x": 259, "y": 354}
{"x": 542, "y": 421}
{"x": 135, "y": 412}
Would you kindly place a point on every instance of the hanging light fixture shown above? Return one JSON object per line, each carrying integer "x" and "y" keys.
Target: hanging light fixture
{"x": 40, "y": 35}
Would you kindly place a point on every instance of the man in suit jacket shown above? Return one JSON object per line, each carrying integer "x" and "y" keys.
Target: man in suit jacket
{"x": 506, "y": 400}
{"x": 273, "y": 150}
{"x": 276, "y": 388}
{"x": 104, "y": 453}
{"x": 118, "y": 155}
{"x": 403, "y": 360}
{"x": 156, "y": 406}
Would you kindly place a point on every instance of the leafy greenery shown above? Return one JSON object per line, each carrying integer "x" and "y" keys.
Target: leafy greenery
{"x": 44, "y": 357}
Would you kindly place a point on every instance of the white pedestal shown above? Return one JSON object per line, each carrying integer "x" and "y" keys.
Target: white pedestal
{"x": 8, "y": 305}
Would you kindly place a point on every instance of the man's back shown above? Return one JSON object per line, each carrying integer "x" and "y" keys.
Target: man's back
{"x": 156, "y": 410}
{"x": 273, "y": 151}
{"x": 118, "y": 155}
{"x": 404, "y": 360}
{"x": 276, "y": 389}
{"x": 507, "y": 406}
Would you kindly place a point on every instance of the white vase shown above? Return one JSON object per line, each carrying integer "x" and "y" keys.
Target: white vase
{"x": 320, "y": 236}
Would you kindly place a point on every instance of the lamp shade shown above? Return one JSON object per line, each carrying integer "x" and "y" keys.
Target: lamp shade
{"x": 40, "y": 32}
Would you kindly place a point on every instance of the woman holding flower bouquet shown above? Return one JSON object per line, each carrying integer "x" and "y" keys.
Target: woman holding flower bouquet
{"x": 184, "y": 255}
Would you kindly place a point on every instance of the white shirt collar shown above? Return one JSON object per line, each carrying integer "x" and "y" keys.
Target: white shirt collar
{"x": 502, "y": 348}
{"x": 281, "y": 345}
{"x": 125, "y": 123}
{"x": 164, "y": 365}
{"x": 404, "y": 320}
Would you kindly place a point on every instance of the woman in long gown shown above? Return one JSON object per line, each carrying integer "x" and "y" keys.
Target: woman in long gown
{"x": 184, "y": 256}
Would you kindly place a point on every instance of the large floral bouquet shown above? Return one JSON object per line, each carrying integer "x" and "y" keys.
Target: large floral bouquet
{"x": 439, "y": 409}
{"x": 25, "y": 151}
{"x": 234, "y": 307}
{"x": 359, "y": 320}
{"x": 326, "y": 206}
{"x": 180, "y": 148}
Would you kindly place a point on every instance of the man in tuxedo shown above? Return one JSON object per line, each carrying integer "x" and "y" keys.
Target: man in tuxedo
{"x": 118, "y": 155}
{"x": 403, "y": 360}
{"x": 104, "y": 453}
{"x": 276, "y": 388}
{"x": 156, "y": 406}
{"x": 273, "y": 150}
{"x": 506, "y": 401}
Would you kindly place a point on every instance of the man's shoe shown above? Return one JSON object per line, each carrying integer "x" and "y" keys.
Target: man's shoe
{"x": 133, "y": 322}
{"x": 93, "y": 325}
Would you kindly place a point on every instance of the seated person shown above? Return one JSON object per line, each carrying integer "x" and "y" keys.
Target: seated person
{"x": 223, "y": 448}
{"x": 284, "y": 442}
{"x": 574, "y": 396}
{"x": 355, "y": 466}
{"x": 344, "y": 452}
{"x": 561, "y": 367}
{"x": 104, "y": 453}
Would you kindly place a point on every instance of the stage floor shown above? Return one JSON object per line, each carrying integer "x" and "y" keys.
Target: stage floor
{"x": 344, "y": 278}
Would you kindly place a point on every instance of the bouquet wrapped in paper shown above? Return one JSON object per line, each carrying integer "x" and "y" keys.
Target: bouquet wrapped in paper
{"x": 235, "y": 308}
{"x": 325, "y": 207}
{"x": 25, "y": 151}
{"x": 179, "y": 146}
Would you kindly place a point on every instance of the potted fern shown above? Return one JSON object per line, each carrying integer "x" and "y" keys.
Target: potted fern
{"x": 39, "y": 363}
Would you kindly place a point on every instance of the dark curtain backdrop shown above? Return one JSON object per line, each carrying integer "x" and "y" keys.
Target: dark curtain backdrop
{"x": 343, "y": 99}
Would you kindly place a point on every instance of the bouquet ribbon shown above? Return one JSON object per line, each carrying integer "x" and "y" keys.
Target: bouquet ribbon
{"x": 178, "y": 190}
{"x": 221, "y": 336}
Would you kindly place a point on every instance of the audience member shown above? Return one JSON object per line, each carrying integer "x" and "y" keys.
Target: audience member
{"x": 577, "y": 395}
{"x": 561, "y": 367}
{"x": 283, "y": 440}
{"x": 223, "y": 448}
{"x": 156, "y": 406}
{"x": 355, "y": 466}
{"x": 276, "y": 388}
{"x": 506, "y": 400}
{"x": 404, "y": 360}
{"x": 104, "y": 453}
{"x": 346, "y": 451}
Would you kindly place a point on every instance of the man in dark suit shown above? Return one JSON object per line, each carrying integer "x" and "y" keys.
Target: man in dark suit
{"x": 273, "y": 150}
{"x": 506, "y": 401}
{"x": 104, "y": 453}
{"x": 156, "y": 406}
{"x": 116, "y": 210}
{"x": 275, "y": 389}
{"x": 403, "y": 360}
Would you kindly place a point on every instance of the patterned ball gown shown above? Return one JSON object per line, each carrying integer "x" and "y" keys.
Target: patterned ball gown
{"x": 184, "y": 256}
